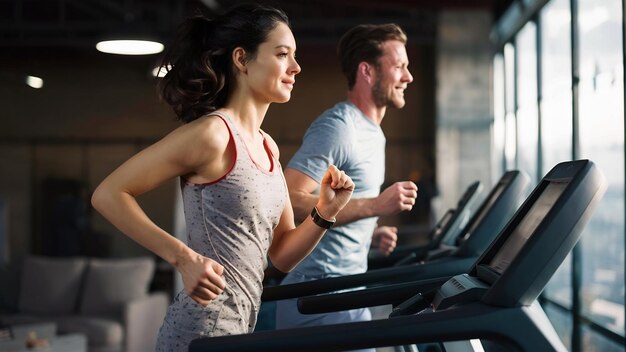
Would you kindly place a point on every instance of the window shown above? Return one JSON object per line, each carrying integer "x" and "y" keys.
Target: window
{"x": 498, "y": 115}
{"x": 510, "y": 129}
{"x": 556, "y": 104}
{"x": 601, "y": 121}
{"x": 527, "y": 111}
{"x": 536, "y": 111}
{"x": 556, "y": 113}
{"x": 561, "y": 320}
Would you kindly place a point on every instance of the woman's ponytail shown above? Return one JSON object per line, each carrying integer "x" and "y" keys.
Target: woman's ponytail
{"x": 196, "y": 76}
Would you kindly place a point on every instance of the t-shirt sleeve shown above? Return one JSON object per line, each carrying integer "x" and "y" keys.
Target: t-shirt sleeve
{"x": 326, "y": 142}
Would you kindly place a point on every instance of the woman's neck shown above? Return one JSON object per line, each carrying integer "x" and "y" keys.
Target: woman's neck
{"x": 248, "y": 119}
{"x": 247, "y": 115}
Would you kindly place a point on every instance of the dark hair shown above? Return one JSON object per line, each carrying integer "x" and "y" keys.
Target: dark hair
{"x": 364, "y": 43}
{"x": 201, "y": 75}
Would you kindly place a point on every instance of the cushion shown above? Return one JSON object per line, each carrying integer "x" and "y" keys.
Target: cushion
{"x": 50, "y": 285}
{"x": 10, "y": 283}
{"x": 100, "y": 332}
{"x": 109, "y": 283}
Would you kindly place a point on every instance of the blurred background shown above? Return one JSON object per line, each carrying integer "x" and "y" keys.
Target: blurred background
{"x": 498, "y": 85}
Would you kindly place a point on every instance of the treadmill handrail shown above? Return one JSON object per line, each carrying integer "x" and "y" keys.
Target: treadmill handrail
{"x": 370, "y": 297}
{"x": 442, "y": 267}
{"x": 471, "y": 321}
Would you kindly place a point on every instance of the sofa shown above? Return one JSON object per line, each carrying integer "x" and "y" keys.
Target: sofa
{"x": 107, "y": 300}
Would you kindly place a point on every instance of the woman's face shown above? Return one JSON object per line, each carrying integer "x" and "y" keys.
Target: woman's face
{"x": 271, "y": 74}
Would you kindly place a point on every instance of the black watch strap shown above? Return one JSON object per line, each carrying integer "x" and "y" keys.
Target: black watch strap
{"x": 320, "y": 221}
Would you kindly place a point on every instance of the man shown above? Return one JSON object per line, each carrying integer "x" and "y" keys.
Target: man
{"x": 375, "y": 63}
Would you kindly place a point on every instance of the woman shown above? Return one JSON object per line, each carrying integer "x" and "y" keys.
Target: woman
{"x": 225, "y": 73}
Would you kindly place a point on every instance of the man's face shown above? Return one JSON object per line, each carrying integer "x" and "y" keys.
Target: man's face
{"x": 392, "y": 75}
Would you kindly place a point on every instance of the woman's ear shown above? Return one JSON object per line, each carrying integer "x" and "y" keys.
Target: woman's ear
{"x": 239, "y": 59}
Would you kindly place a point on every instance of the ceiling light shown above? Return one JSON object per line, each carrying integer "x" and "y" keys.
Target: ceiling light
{"x": 129, "y": 47}
{"x": 34, "y": 82}
{"x": 161, "y": 71}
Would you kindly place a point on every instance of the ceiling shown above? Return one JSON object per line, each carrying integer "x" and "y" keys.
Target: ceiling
{"x": 81, "y": 23}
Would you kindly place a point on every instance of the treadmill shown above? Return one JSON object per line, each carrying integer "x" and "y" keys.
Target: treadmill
{"x": 444, "y": 232}
{"x": 494, "y": 301}
{"x": 440, "y": 263}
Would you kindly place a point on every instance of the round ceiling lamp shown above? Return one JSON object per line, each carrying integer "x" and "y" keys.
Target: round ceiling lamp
{"x": 130, "y": 47}
{"x": 161, "y": 71}
{"x": 34, "y": 82}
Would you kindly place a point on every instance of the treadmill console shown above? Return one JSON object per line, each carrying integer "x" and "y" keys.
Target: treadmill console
{"x": 514, "y": 243}
{"x": 459, "y": 289}
{"x": 532, "y": 245}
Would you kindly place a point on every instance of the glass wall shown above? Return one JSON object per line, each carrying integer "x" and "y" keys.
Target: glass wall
{"x": 498, "y": 115}
{"x": 556, "y": 113}
{"x": 527, "y": 111}
{"x": 539, "y": 103}
{"x": 509, "y": 117}
{"x": 556, "y": 103}
{"x": 601, "y": 93}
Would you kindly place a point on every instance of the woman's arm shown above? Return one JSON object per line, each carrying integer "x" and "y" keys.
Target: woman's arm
{"x": 291, "y": 244}
{"x": 198, "y": 149}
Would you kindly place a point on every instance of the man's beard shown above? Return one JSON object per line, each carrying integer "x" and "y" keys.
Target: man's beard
{"x": 380, "y": 98}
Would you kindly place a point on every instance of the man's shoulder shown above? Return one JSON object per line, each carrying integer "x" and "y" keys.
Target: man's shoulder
{"x": 340, "y": 115}
{"x": 342, "y": 110}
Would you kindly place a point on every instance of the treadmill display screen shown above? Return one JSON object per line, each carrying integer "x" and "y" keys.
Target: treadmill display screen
{"x": 527, "y": 226}
{"x": 486, "y": 208}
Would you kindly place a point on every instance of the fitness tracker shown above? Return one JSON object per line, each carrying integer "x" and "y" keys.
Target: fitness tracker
{"x": 320, "y": 221}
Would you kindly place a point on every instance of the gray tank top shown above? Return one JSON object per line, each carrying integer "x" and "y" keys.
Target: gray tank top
{"x": 231, "y": 221}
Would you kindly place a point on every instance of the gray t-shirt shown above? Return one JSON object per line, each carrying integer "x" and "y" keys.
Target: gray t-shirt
{"x": 343, "y": 136}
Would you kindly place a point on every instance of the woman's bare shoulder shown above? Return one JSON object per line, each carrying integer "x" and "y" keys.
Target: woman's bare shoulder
{"x": 199, "y": 141}
{"x": 207, "y": 132}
